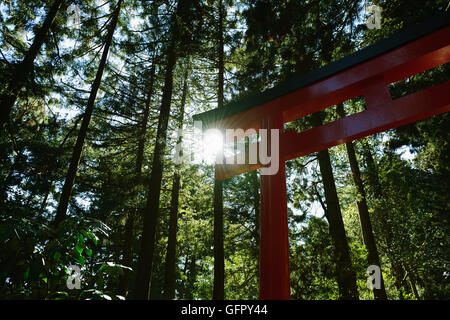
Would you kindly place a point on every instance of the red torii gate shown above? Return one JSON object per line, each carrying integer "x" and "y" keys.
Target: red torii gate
{"x": 367, "y": 73}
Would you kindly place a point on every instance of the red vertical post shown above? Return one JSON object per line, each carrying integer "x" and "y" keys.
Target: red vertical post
{"x": 274, "y": 242}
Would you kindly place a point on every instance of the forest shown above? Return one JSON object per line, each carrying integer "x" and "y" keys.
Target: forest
{"x": 93, "y": 95}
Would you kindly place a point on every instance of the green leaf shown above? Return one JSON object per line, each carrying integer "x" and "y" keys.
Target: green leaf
{"x": 91, "y": 236}
{"x": 57, "y": 255}
{"x": 79, "y": 250}
{"x": 80, "y": 260}
{"x": 88, "y": 252}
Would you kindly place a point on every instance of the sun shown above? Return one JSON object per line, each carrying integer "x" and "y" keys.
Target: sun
{"x": 212, "y": 145}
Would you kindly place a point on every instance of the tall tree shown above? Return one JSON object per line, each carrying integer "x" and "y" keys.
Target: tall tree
{"x": 363, "y": 210}
{"x": 131, "y": 217}
{"x": 78, "y": 149}
{"x": 169, "y": 284}
{"x": 151, "y": 215}
{"x": 25, "y": 68}
{"x": 219, "y": 263}
{"x": 387, "y": 232}
{"x": 345, "y": 274}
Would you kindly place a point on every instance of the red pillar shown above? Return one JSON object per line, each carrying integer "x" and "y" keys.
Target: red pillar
{"x": 274, "y": 242}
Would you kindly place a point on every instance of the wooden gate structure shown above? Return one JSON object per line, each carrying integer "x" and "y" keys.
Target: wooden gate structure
{"x": 365, "y": 73}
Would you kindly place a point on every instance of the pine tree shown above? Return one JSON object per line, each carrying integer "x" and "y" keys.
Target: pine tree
{"x": 219, "y": 263}
{"x": 78, "y": 148}
{"x": 363, "y": 210}
{"x": 345, "y": 274}
{"x": 169, "y": 284}
{"x": 151, "y": 215}
{"x": 25, "y": 68}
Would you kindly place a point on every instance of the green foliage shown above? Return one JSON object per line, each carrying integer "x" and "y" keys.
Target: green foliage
{"x": 35, "y": 262}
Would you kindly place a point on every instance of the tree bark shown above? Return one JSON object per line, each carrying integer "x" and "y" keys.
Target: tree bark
{"x": 169, "y": 284}
{"x": 219, "y": 263}
{"x": 151, "y": 215}
{"x": 345, "y": 274}
{"x": 25, "y": 68}
{"x": 76, "y": 155}
{"x": 364, "y": 218}
{"x": 129, "y": 225}
{"x": 192, "y": 277}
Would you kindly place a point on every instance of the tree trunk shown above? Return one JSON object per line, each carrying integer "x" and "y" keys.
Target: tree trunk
{"x": 219, "y": 263}
{"x": 412, "y": 281}
{"x": 364, "y": 218}
{"x": 192, "y": 277}
{"x": 397, "y": 269}
{"x": 25, "y": 68}
{"x": 151, "y": 215}
{"x": 76, "y": 155}
{"x": 156, "y": 289}
{"x": 129, "y": 225}
{"x": 346, "y": 277}
{"x": 169, "y": 285}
